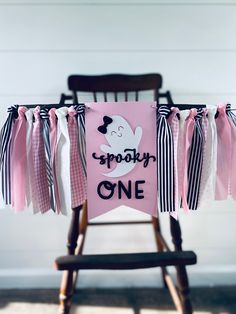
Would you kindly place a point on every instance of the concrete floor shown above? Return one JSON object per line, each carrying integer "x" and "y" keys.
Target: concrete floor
{"x": 221, "y": 300}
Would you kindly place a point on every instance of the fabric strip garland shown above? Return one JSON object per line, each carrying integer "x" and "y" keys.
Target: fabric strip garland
{"x": 43, "y": 157}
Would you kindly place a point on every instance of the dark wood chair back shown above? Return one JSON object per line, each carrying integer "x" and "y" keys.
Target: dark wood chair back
{"x": 75, "y": 260}
{"x": 115, "y": 83}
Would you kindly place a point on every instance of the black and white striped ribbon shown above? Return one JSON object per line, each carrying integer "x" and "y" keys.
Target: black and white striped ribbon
{"x": 81, "y": 135}
{"x": 230, "y": 114}
{"x": 165, "y": 161}
{"x": 46, "y": 129}
{"x": 5, "y": 153}
{"x": 195, "y": 162}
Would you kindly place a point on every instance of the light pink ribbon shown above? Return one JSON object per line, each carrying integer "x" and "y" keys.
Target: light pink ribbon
{"x": 223, "y": 154}
{"x": 188, "y": 135}
{"x": 53, "y": 145}
{"x": 19, "y": 162}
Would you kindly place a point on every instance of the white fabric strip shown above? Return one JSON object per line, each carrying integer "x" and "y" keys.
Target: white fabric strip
{"x": 63, "y": 160}
{"x": 29, "y": 126}
{"x": 207, "y": 188}
{"x": 183, "y": 114}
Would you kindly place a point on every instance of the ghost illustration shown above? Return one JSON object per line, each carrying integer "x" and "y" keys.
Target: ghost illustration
{"x": 119, "y": 136}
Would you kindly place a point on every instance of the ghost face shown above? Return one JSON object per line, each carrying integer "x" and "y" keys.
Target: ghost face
{"x": 119, "y": 131}
{"x": 120, "y": 137}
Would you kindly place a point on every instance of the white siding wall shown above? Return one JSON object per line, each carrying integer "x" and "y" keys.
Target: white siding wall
{"x": 192, "y": 43}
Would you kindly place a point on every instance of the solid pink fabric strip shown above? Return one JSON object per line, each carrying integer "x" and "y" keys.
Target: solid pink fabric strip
{"x": 53, "y": 144}
{"x": 188, "y": 135}
{"x": 223, "y": 154}
{"x": 19, "y": 162}
{"x": 39, "y": 165}
{"x": 77, "y": 177}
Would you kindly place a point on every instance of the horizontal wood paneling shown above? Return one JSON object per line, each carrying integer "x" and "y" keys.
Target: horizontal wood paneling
{"x": 140, "y": 237}
{"x": 46, "y": 73}
{"x": 44, "y": 232}
{"x": 124, "y": 27}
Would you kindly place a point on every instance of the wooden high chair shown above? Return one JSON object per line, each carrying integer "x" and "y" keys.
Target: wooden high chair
{"x": 163, "y": 257}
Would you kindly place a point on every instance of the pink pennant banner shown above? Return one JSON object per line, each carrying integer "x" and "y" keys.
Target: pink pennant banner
{"x": 121, "y": 156}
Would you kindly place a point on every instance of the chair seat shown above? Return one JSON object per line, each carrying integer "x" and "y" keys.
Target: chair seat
{"x": 125, "y": 261}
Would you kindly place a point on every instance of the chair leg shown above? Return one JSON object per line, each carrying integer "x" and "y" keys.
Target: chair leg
{"x": 160, "y": 247}
{"x": 66, "y": 289}
{"x": 182, "y": 277}
{"x": 82, "y": 232}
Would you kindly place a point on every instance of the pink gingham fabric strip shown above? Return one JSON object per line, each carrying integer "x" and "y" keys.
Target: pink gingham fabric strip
{"x": 29, "y": 172}
{"x": 207, "y": 188}
{"x": 40, "y": 188}
{"x": 77, "y": 177}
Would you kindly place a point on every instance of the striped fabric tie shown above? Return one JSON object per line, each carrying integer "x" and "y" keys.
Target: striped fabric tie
{"x": 46, "y": 139}
{"x": 5, "y": 153}
{"x": 230, "y": 114}
{"x": 165, "y": 161}
{"x": 195, "y": 162}
{"x": 81, "y": 135}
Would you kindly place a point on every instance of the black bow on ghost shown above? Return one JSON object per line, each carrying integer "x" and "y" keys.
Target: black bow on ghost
{"x": 103, "y": 128}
